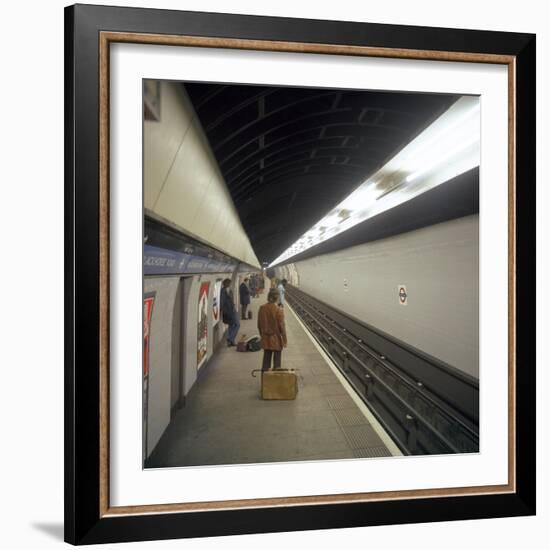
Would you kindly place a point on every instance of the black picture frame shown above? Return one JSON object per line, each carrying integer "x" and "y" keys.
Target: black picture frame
{"x": 85, "y": 519}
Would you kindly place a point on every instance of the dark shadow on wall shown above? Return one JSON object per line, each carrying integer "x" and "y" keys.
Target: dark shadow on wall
{"x": 54, "y": 530}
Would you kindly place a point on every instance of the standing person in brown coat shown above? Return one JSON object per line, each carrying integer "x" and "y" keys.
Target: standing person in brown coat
{"x": 271, "y": 325}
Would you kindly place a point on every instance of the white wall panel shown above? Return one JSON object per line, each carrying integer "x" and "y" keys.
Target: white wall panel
{"x": 187, "y": 183}
{"x": 160, "y": 356}
{"x": 239, "y": 248}
{"x": 220, "y": 229}
{"x": 205, "y": 217}
{"x": 229, "y": 232}
{"x": 213, "y": 202}
{"x": 439, "y": 266}
{"x": 183, "y": 184}
{"x": 174, "y": 344}
{"x": 162, "y": 140}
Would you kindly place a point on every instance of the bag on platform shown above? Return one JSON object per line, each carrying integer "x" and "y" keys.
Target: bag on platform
{"x": 254, "y": 343}
{"x": 279, "y": 384}
{"x": 241, "y": 344}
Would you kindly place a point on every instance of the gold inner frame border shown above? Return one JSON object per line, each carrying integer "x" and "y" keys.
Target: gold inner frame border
{"x": 105, "y": 40}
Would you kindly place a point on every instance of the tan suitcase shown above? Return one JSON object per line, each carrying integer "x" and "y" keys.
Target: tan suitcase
{"x": 279, "y": 384}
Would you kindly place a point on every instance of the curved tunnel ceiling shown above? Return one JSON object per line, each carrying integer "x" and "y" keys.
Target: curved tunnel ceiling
{"x": 289, "y": 155}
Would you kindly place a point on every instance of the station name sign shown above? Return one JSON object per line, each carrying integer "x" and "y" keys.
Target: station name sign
{"x": 159, "y": 261}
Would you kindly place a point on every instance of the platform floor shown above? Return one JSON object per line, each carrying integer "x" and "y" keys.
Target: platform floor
{"x": 225, "y": 421}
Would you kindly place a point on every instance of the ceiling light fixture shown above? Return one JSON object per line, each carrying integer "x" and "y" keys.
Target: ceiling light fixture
{"x": 450, "y": 139}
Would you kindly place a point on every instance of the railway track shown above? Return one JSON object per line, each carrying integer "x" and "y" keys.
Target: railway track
{"x": 425, "y": 407}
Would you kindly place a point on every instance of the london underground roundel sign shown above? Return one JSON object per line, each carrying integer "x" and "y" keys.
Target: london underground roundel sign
{"x": 402, "y": 290}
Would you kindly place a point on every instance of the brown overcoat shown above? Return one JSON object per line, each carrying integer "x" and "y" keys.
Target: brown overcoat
{"x": 271, "y": 325}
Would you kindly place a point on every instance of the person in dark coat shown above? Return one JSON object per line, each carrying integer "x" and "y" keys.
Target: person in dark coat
{"x": 244, "y": 296}
{"x": 229, "y": 313}
{"x": 271, "y": 326}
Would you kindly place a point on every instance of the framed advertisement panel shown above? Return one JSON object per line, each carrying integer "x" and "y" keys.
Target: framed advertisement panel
{"x": 216, "y": 301}
{"x": 202, "y": 328}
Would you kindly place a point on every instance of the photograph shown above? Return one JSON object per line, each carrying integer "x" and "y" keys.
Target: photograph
{"x": 311, "y": 273}
{"x": 275, "y": 275}
{"x": 302, "y": 285}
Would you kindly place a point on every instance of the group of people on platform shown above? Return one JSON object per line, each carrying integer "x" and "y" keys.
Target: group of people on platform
{"x": 271, "y": 320}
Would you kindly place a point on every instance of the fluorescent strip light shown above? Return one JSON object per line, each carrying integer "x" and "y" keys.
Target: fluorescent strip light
{"x": 440, "y": 161}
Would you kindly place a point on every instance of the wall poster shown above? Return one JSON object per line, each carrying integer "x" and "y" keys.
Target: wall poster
{"x": 147, "y": 315}
{"x": 216, "y": 302}
{"x": 202, "y": 334}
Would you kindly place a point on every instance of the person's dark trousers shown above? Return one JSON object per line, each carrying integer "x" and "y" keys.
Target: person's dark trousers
{"x": 244, "y": 307}
{"x": 233, "y": 330}
{"x": 266, "y": 363}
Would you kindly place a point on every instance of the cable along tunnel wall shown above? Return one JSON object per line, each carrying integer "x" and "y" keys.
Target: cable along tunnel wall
{"x": 426, "y": 407}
